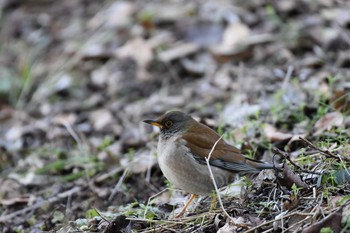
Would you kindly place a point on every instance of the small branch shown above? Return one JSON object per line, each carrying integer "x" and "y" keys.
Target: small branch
{"x": 287, "y": 77}
{"x": 149, "y": 201}
{"x": 287, "y": 157}
{"x": 328, "y": 154}
{"x": 325, "y": 152}
{"x": 117, "y": 186}
{"x": 103, "y": 217}
{"x": 207, "y": 159}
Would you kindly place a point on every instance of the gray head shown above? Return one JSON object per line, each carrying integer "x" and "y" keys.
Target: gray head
{"x": 171, "y": 123}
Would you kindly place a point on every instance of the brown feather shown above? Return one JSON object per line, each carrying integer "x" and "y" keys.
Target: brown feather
{"x": 200, "y": 139}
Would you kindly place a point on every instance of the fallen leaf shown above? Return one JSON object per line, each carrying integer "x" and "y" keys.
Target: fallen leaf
{"x": 141, "y": 162}
{"x": 30, "y": 178}
{"x": 333, "y": 221}
{"x": 116, "y": 15}
{"x": 139, "y": 50}
{"x": 296, "y": 221}
{"x": 289, "y": 178}
{"x": 236, "y": 33}
{"x": 263, "y": 176}
{"x": 100, "y": 119}
{"x": 27, "y": 200}
{"x": 340, "y": 100}
{"x": 63, "y": 119}
{"x": 327, "y": 122}
{"x": 230, "y": 226}
{"x": 291, "y": 203}
{"x": 273, "y": 135}
{"x": 235, "y": 113}
{"x": 235, "y": 43}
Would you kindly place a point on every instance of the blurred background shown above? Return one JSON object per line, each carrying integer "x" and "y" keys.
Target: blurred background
{"x": 77, "y": 77}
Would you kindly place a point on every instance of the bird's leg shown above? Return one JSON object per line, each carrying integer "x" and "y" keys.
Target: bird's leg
{"x": 183, "y": 210}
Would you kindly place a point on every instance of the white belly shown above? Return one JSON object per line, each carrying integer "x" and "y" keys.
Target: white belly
{"x": 184, "y": 172}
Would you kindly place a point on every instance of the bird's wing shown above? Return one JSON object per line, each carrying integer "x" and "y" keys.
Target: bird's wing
{"x": 224, "y": 155}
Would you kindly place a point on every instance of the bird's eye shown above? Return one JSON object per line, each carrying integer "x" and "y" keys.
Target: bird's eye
{"x": 168, "y": 124}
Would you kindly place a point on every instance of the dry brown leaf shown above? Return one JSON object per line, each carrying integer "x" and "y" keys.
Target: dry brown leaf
{"x": 296, "y": 220}
{"x": 273, "y": 135}
{"x": 101, "y": 118}
{"x": 141, "y": 51}
{"x": 118, "y": 14}
{"x": 235, "y": 113}
{"x": 234, "y": 43}
{"x": 27, "y": 200}
{"x": 332, "y": 221}
{"x": 141, "y": 162}
{"x": 227, "y": 228}
{"x": 235, "y": 34}
{"x": 138, "y": 49}
{"x": 230, "y": 227}
{"x": 289, "y": 178}
{"x": 328, "y": 121}
{"x": 63, "y": 119}
{"x": 340, "y": 100}
{"x": 263, "y": 176}
{"x": 292, "y": 203}
{"x": 30, "y": 178}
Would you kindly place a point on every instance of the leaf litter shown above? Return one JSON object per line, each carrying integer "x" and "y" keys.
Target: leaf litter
{"x": 78, "y": 78}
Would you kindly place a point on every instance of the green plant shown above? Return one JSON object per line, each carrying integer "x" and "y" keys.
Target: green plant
{"x": 107, "y": 141}
{"x": 295, "y": 190}
{"x": 326, "y": 230}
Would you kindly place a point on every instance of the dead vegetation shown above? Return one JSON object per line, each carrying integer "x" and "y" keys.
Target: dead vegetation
{"x": 78, "y": 77}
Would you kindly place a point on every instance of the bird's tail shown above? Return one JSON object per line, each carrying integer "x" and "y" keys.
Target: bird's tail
{"x": 259, "y": 165}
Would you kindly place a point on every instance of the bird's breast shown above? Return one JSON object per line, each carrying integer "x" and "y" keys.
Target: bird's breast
{"x": 183, "y": 171}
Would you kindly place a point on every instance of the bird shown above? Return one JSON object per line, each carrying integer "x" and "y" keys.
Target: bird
{"x": 183, "y": 146}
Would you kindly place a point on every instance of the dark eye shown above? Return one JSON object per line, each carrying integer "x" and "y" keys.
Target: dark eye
{"x": 168, "y": 124}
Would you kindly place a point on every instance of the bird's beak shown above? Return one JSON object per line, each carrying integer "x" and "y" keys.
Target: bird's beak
{"x": 153, "y": 122}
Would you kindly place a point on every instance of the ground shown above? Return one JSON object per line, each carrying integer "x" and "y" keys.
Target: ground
{"x": 77, "y": 79}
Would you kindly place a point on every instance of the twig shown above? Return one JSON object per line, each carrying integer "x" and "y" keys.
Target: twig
{"x": 286, "y": 156}
{"x": 274, "y": 220}
{"x": 343, "y": 164}
{"x": 207, "y": 159}
{"x": 287, "y": 77}
{"x": 117, "y": 186}
{"x": 325, "y": 152}
{"x": 150, "y": 198}
{"x": 71, "y": 131}
{"x": 296, "y": 224}
{"x": 109, "y": 174}
{"x": 328, "y": 153}
{"x": 60, "y": 196}
{"x": 172, "y": 223}
{"x": 103, "y": 217}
